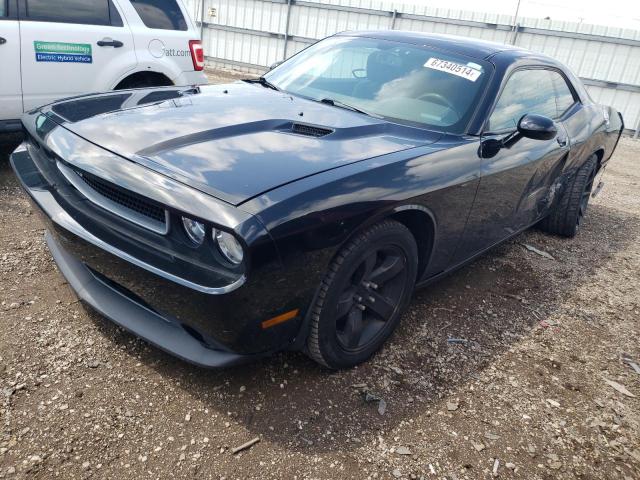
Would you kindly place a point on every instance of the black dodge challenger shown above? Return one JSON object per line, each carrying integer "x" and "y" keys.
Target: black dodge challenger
{"x": 301, "y": 209}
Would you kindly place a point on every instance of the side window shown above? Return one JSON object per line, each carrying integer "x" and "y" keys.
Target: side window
{"x": 86, "y": 12}
{"x": 526, "y": 91}
{"x": 160, "y": 14}
{"x": 3, "y": 8}
{"x": 564, "y": 97}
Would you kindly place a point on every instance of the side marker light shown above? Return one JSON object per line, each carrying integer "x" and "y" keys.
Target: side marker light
{"x": 280, "y": 319}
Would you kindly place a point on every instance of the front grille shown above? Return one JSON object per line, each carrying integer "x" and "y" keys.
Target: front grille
{"x": 117, "y": 200}
{"x": 125, "y": 198}
{"x": 310, "y": 130}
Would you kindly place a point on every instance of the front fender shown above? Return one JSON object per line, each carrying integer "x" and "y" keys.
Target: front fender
{"x": 311, "y": 218}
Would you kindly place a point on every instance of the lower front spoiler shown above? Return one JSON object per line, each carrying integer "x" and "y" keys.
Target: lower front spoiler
{"x": 166, "y": 334}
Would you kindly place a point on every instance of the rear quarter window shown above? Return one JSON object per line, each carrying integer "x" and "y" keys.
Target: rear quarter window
{"x": 564, "y": 97}
{"x": 160, "y": 14}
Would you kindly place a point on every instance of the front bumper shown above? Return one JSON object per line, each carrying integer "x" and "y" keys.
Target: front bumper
{"x": 209, "y": 329}
{"x": 167, "y": 334}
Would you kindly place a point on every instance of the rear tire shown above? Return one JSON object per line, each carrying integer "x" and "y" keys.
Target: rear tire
{"x": 363, "y": 295}
{"x": 567, "y": 215}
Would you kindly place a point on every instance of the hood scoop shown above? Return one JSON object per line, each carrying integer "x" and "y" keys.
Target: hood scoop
{"x": 310, "y": 130}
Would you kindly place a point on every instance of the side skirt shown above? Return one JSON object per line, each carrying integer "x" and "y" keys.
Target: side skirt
{"x": 458, "y": 266}
{"x": 300, "y": 342}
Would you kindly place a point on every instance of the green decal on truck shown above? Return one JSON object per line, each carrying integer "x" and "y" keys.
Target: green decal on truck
{"x": 62, "y": 52}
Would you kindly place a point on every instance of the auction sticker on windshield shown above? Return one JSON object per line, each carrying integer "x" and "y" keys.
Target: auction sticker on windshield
{"x": 453, "y": 68}
{"x": 62, "y": 52}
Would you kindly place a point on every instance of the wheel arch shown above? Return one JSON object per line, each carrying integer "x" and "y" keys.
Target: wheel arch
{"x": 156, "y": 78}
{"x": 599, "y": 153}
{"x": 422, "y": 225}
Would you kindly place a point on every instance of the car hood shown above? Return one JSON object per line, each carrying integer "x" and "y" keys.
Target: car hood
{"x": 233, "y": 141}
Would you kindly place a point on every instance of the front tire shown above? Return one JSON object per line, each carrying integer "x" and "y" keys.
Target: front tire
{"x": 363, "y": 295}
{"x": 567, "y": 215}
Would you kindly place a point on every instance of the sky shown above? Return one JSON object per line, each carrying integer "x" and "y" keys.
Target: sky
{"x": 615, "y": 13}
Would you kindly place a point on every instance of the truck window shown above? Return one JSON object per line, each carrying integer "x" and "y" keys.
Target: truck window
{"x": 87, "y": 12}
{"x": 160, "y": 14}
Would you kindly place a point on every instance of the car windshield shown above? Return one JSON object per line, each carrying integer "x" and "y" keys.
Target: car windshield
{"x": 397, "y": 81}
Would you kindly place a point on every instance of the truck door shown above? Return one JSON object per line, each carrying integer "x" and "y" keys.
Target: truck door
{"x": 71, "y": 47}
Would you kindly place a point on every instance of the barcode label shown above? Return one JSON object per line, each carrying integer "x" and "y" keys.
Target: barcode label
{"x": 453, "y": 68}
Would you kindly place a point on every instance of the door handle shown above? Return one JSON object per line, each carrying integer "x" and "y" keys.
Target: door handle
{"x": 3, "y": 41}
{"x": 107, "y": 42}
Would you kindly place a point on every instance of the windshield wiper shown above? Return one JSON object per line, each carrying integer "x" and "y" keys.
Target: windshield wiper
{"x": 262, "y": 81}
{"x": 346, "y": 106}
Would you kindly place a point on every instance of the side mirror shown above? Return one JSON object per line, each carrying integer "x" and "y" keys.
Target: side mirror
{"x": 537, "y": 127}
{"x": 274, "y": 65}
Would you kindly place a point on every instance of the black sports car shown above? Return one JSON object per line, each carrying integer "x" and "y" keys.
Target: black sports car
{"x": 301, "y": 209}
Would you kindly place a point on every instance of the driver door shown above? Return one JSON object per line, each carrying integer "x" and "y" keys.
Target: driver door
{"x": 514, "y": 190}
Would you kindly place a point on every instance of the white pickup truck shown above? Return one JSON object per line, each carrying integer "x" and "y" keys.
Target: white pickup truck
{"x": 50, "y": 49}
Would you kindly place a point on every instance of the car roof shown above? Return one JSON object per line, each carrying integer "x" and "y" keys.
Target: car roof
{"x": 470, "y": 47}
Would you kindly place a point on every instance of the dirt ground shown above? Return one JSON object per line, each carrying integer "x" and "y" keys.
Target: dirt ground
{"x": 512, "y": 367}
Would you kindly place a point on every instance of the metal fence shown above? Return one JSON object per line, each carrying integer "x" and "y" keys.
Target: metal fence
{"x": 250, "y": 35}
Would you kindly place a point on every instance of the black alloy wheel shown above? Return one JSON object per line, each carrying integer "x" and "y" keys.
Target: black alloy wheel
{"x": 363, "y": 295}
{"x": 371, "y": 297}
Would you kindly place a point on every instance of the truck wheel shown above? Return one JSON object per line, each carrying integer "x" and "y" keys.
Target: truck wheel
{"x": 359, "y": 303}
{"x": 566, "y": 217}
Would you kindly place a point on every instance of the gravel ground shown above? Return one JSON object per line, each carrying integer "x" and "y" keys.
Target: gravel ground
{"x": 536, "y": 387}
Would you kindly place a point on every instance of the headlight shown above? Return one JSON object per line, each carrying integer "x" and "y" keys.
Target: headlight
{"x": 229, "y": 246}
{"x": 195, "y": 230}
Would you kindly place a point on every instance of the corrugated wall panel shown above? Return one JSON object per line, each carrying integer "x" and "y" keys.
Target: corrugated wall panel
{"x": 589, "y": 59}
{"x": 242, "y": 47}
{"x": 249, "y": 14}
{"x": 586, "y": 28}
{"x": 492, "y": 35}
{"x": 624, "y": 101}
{"x": 318, "y": 23}
{"x": 294, "y": 47}
{"x": 420, "y": 7}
